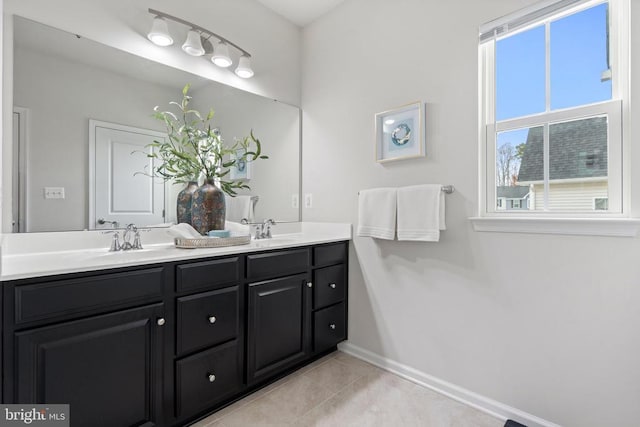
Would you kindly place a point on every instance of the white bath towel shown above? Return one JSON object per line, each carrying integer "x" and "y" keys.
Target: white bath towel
{"x": 421, "y": 212}
{"x": 377, "y": 213}
{"x": 239, "y": 207}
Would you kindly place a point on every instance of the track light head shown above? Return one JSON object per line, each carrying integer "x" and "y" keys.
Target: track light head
{"x": 159, "y": 33}
{"x": 244, "y": 67}
{"x": 193, "y": 44}
{"x": 221, "y": 55}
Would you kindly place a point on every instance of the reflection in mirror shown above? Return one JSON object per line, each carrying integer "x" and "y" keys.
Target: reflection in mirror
{"x": 72, "y": 94}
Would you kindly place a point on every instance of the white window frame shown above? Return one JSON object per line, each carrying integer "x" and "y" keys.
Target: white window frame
{"x": 617, "y": 109}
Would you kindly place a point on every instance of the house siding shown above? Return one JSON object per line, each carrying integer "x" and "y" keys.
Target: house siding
{"x": 569, "y": 196}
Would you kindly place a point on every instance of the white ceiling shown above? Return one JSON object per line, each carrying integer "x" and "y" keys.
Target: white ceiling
{"x": 301, "y": 12}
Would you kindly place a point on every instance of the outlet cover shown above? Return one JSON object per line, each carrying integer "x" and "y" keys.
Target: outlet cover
{"x": 54, "y": 192}
{"x": 295, "y": 201}
{"x": 308, "y": 200}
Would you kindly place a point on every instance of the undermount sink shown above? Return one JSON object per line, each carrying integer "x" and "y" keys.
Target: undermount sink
{"x": 285, "y": 239}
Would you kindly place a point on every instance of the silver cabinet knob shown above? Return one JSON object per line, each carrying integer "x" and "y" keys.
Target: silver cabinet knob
{"x": 332, "y": 285}
{"x": 212, "y": 319}
{"x": 332, "y": 326}
{"x": 212, "y": 378}
{"x": 160, "y": 321}
{"x": 309, "y": 285}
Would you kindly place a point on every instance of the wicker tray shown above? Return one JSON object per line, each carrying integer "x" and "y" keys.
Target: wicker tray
{"x": 212, "y": 242}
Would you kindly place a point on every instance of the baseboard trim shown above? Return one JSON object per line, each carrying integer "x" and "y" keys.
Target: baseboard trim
{"x": 475, "y": 400}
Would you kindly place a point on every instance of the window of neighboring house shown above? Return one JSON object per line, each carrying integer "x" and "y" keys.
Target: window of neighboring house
{"x": 552, "y": 103}
{"x": 515, "y": 204}
{"x": 600, "y": 203}
{"x": 499, "y": 203}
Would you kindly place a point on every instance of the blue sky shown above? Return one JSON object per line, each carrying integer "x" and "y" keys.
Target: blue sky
{"x": 578, "y": 58}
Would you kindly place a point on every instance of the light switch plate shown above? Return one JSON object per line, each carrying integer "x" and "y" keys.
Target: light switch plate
{"x": 308, "y": 200}
{"x": 54, "y": 192}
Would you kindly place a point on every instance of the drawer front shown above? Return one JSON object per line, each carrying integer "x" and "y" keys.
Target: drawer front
{"x": 328, "y": 286}
{"x": 67, "y": 298}
{"x": 207, "y": 274}
{"x": 330, "y": 254}
{"x": 196, "y": 389}
{"x": 329, "y": 327}
{"x": 207, "y": 319}
{"x": 262, "y": 266}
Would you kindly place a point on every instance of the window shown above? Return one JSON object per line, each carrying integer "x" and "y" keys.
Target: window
{"x": 552, "y": 102}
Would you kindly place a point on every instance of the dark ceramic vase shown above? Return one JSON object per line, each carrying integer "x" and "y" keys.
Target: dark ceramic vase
{"x": 208, "y": 208}
{"x": 185, "y": 198}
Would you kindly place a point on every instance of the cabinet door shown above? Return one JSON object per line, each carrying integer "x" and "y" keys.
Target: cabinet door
{"x": 107, "y": 368}
{"x": 279, "y": 325}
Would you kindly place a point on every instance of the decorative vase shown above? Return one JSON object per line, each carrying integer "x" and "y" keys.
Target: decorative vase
{"x": 208, "y": 208}
{"x": 183, "y": 205}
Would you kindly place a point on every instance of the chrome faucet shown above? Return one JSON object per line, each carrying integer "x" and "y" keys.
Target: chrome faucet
{"x": 126, "y": 244}
{"x": 262, "y": 230}
{"x": 266, "y": 228}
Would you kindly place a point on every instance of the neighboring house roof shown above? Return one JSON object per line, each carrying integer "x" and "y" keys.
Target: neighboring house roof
{"x": 513, "y": 192}
{"x": 577, "y": 149}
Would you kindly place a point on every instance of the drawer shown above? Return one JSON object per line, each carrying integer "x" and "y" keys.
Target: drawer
{"x": 328, "y": 286}
{"x": 329, "y": 327}
{"x": 61, "y": 299}
{"x": 207, "y": 274}
{"x": 330, "y": 254}
{"x": 207, "y": 378}
{"x": 282, "y": 263}
{"x": 207, "y": 319}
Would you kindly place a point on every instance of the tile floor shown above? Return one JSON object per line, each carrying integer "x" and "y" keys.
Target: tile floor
{"x": 340, "y": 390}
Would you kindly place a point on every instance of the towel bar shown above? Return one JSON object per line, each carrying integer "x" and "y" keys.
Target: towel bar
{"x": 447, "y": 189}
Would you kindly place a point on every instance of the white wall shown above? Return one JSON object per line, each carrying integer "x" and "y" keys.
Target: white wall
{"x": 475, "y": 309}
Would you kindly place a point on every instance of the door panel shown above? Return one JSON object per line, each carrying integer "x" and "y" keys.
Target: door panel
{"x": 107, "y": 368}
{"x": 279, "y": 325}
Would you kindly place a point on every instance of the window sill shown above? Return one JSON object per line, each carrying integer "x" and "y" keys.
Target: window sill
{"x": 619, "y": 227}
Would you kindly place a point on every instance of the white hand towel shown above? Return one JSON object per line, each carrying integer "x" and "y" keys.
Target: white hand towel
{"x": 237, "y": 229}
{"x": 183, "y": 231}
{"x": 377, "y": 213}
{"x": 421, "y": 212}
{"x": 239, "y": 207}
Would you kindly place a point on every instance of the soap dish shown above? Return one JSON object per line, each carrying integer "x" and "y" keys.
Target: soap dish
{"x": 212, "y": 242}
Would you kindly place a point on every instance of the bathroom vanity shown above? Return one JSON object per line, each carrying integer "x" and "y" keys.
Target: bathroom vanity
{"x": 168, "y": 341}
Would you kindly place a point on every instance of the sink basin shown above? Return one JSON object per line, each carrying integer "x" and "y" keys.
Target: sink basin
{"x": 276, "y": 241}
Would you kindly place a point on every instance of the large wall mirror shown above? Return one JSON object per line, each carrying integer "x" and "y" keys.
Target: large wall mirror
{"x": 67, "y": 90}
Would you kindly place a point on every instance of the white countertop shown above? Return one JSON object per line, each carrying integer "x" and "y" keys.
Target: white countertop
{"x": 45, "y": 254}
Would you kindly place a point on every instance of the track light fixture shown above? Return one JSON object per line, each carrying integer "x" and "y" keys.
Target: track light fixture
{"x": 196, "y": 38}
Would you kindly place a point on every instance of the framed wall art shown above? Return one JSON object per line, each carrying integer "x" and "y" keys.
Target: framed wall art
{"x": 241, "y": 171}
{"x": 400, "y": 133}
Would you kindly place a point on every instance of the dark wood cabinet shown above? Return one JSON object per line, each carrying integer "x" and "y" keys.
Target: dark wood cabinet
{"x": 107, "y": 368}
{"x": 168, "y": 343}
{"x": 279, "y": 322}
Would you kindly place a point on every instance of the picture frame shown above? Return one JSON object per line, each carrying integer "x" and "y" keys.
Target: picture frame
{"x": 400, "y": 133}
{"x": 241, "y": 171}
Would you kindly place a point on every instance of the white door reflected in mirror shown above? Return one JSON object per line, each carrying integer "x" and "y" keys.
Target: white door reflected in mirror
{"x": 119, "y": 158}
